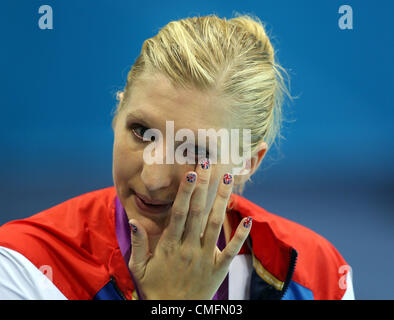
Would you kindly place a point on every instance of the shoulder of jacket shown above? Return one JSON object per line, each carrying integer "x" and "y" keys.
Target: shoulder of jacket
{"x": 97, "y": 200}
{"x": 78, "y": 232}
{"x": 319, "y": 263}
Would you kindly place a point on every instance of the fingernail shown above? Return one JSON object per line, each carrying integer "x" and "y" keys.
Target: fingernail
{"x": 133, "y": 227}
{"x": 205, "y": 163}
{"x": 191, "y": 177}
{"x": 227, "y": 178}
{"x": 248, "y": 222}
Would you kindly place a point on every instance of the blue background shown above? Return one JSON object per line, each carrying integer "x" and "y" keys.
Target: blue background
{"x": 333, "y": 172}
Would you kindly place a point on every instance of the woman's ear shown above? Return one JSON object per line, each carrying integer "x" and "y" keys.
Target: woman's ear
{"x": 251, "y": 164}
{"x": 119, "y": 96}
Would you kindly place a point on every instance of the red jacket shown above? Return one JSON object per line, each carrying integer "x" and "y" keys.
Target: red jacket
{"x": 77, "y": 239}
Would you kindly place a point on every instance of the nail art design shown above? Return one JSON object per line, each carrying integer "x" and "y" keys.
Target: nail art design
{"x": 248, "y": 222}
{"x": 205, "y": 163}
{"x": 227, "y": 178}
{"x": 191, "y": 177}
{"x": 133, "y": 228}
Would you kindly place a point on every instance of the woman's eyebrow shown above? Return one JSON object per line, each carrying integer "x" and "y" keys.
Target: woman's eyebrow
{"x": 137, "y": 117}
{"x": 140, "y": 117}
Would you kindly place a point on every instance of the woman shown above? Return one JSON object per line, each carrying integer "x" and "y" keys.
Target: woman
{"x": 167, "y": 229}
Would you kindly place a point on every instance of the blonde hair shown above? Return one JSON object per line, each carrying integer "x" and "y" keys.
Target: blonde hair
{"x": 234, "y": 57}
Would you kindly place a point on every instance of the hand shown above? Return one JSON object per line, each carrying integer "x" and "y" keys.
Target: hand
{"x": 184, "y": 265}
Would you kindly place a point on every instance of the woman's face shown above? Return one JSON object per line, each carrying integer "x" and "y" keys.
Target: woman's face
{"x": 151, "y": 103}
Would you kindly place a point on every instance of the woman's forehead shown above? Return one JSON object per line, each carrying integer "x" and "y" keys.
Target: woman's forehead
{"x": 157, "y": 100}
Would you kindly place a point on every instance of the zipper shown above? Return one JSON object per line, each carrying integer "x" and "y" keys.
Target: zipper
{"x": 118, "y": 291}
{"x": 292, "y": 263}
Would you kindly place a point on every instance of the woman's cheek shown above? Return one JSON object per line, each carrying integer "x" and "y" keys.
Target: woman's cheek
{"x": 126, "y": 167}
{"x": 123, "y": 163}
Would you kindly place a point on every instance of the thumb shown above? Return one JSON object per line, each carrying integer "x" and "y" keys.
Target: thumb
{"x": 139, "y": 249}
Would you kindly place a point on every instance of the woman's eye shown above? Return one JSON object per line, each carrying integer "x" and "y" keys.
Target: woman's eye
{"x": 139, "y": 131}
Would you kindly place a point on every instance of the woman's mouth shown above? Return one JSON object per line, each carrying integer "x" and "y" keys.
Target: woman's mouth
{"x": 151, "y": 206}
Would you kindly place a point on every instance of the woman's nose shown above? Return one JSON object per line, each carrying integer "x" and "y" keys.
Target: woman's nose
{"x": 157, "y": 176}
